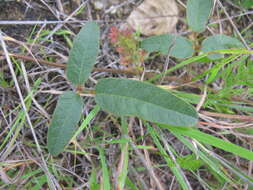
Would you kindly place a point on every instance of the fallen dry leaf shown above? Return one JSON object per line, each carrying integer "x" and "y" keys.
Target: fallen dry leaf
{"x": 154, "y": 17}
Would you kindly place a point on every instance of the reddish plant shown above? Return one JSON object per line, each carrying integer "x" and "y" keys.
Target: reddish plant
{"x": 127, "y": 45}
{"x": 113, "y": 35}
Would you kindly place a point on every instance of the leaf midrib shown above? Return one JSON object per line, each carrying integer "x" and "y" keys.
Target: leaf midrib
{"x": 146, "y": 102}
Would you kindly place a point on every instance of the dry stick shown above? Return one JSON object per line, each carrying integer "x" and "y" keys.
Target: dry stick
{"x": 220, "y": 126}
{"x": 59, "y": 5}
{"x": 39, "y": 22}
{"x": 63, "y": 66}
{"x": 228, "y": 116}
{"x": 202, "y": 99}
{"x": 88, "y": 93}
{"x": 25, "y": 110}
{"x": 225, "y": 19}
{"x": 41, "y": 61}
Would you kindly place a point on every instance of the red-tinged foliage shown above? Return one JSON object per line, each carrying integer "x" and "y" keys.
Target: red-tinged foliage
{"x": 113, "y": 35}
{"x": 127, "y": 45}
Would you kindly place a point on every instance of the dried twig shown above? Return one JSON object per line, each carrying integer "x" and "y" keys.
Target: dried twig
{"x": 228, "y": 116}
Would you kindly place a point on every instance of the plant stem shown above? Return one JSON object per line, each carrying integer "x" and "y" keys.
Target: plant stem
{"x": 63, "y": 66}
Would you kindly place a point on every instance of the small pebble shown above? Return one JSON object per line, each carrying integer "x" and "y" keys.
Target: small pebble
{"x": 113, "y": 9}
{"x": 98, "y": 5}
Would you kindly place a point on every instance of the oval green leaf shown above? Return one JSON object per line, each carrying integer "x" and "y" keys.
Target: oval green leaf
{"x": 83, "y": 54}
{"x": 125, "y": 97}
{"x": 65, "y": 118}
{"x": 218, "y": 42}
{"x": 197, "y": 13}
{"x": 176, "y": 46}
